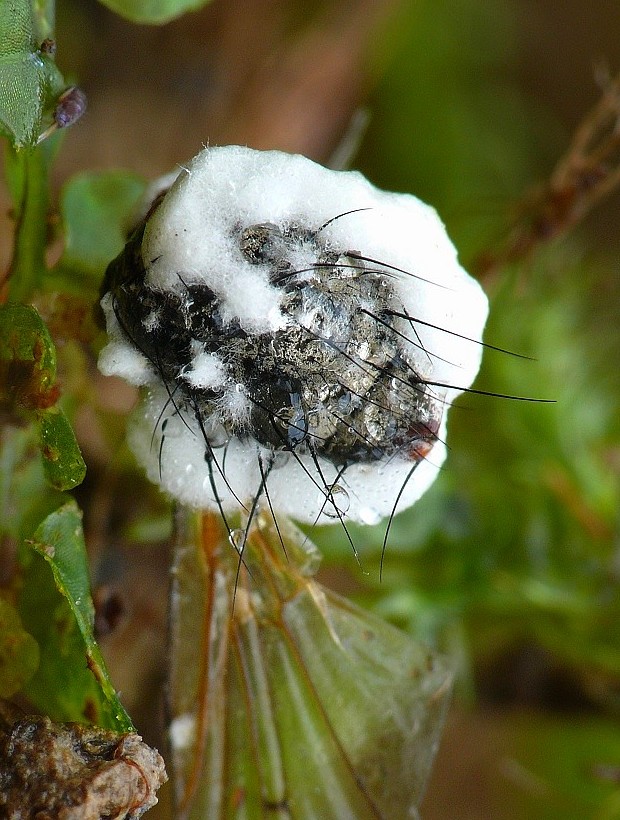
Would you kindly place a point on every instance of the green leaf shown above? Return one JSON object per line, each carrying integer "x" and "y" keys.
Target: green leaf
{"x": 25, "y": 496}
{"x": 27, "y": 381}
{"x": 27, "y": 359}
{"x": 19, "y": 652}
{"x": 96, "y": 209}
{"x": 27, "y": 174}
{"x": 29, "y": 79}
{"x": 62, "y": 460}
{"x": 72, "y": 682}
{"x": 20, "y": 98}
{"x": 16, "y": 26}
{"x": 286, "y": 700}
{"x": 153, "y": 11}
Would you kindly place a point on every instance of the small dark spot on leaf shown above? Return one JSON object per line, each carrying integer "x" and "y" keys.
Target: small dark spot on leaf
{"x": 48, "y": 46}
{"x": 90, "y": 711}
{"x": 38, "y": 349}
{"x": 47, "y": 398}
{"x": 94, "y": 668}
{"x": 50, "y": 453}
{"x": 64, "y": 622}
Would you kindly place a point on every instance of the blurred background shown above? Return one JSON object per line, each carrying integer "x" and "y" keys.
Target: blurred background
{"x": 511, "y": 563}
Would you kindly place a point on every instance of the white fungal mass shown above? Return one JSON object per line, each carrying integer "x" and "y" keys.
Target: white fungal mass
{"x": 301, "y": 334}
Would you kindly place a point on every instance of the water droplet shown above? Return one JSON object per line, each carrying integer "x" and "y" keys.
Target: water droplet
{"x": 217, "y": 435}
{"x": 380, "y": 426}
{"x": 337, "y": 501}
{"x": 236, "y": 538}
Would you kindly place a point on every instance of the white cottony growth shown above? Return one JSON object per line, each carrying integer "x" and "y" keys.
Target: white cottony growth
{"x": 205, "y": 370}
{"x": 301, "y": 335}
{"x": 371, "y": 488}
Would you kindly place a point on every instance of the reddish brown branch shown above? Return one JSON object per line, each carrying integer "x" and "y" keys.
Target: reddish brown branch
{"x": 588, "y": 171}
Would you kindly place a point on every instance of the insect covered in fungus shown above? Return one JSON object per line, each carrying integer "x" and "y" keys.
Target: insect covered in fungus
{"x": 299, "y": 335}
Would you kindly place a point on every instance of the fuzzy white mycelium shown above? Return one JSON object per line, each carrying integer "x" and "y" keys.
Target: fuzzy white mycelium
{"x": 299, "y": 336}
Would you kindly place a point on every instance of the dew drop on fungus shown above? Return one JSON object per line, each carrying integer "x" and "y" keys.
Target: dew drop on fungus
{"x": 337, "y": 501}
{"x": 236, "y": 538}
{"x": 216, "y": 433}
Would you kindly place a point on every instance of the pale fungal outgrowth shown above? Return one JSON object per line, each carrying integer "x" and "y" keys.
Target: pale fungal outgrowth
{"x": 299, "y": 334}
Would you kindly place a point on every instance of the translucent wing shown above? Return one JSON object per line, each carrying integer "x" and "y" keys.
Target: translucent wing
{"x": 285, "y": 700}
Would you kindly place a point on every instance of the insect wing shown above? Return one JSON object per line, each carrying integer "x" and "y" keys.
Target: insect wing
{"x": 286, "y": 700}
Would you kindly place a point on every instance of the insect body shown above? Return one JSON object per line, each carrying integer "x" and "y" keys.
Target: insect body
{"x": 282, "y": 362}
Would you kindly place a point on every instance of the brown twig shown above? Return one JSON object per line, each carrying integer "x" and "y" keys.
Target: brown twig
{"x": 588, "y": 171}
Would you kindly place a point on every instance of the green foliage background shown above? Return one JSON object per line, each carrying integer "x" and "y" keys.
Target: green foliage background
{"x": 510, "y": 563}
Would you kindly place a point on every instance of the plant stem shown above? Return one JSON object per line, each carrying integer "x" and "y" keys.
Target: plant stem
{"x": 44, "y": 18}
{"x": 27, "y": 171}
{"x": 31, "y": 198}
